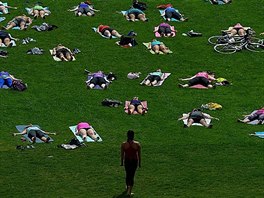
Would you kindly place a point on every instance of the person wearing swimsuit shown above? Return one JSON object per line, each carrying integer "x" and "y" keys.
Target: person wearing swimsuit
{"x": 131, "y": 158}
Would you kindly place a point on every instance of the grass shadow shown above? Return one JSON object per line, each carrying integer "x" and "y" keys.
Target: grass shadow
{"x": 122, "y": 195}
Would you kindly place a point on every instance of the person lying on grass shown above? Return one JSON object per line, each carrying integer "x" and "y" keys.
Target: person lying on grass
{"x": 154, "y": 78}
{"x": 39, "y": 11}
{"x": 6, "y": 38}
{"x": 133, "y": 13}
{"x": 171, "y": 12}
{"x": 158, "y": 47}
{"x": 20, "y": 21}
{"x": 84, "y": 129}
{"x": 136, "y": 105}
{"x": 165, "y": 30}
{"x": 84, "y": 9}
{"x": 107, "y": 31}
{"x": 237, "y": 29}
{"x": 6, "y": 79}
{"x": 197, "y": 116}
{"x": 3, "y": 8}
{"x": 203, "y": 78}
{"x": 258, "y": 115}
{"x": 34, "y": 132}
{"x": 63, "y": 53}
{"x": 98, "y": 78}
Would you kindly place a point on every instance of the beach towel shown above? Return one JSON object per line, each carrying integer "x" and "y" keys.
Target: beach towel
{"x": 124, "y": 13}
{"x": 89, "y": 77}
{"x": 258, "y": 134}
{"x": 152, "y": 52}
{"x": 58, "y": 59}
{"x": 30, "y": 11}
{"x": 6, "y": 9}
{"x": 95, "y": 30}
{"x": 208, "y": 121}
{"x": 163, "y": 78}
{"x": 2, "y": 19}
{"x": 198, "y": 86}
{"x": 157, "y": 34}
{"x": 172, "y": 19}
{"x": 254, "y": 122}
{"x": 144, "y": 104}
{"x": 88, "y": 139}
{"x": 20, "y": 128}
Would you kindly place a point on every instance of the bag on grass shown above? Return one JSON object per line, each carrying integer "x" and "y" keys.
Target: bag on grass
{"x": 211, "y": 106}
{"x": 19, "y": 85}
{"x": 111, "y": 103}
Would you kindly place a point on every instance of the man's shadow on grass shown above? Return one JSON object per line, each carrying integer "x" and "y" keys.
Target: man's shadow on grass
{"x": 122, "y": 195}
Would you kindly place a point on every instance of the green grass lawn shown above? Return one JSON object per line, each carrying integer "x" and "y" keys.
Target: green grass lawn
{"x": 176, "y": 162}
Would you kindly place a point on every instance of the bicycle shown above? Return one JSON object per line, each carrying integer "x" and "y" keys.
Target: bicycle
{"x": 248, "y": 42}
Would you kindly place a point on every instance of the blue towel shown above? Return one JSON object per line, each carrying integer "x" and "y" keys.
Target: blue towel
{"x": 88, "y": 139}
{"x": 2, "y": 19}
{"x": 259, "y": 134}
{"x": 20, "y": 128}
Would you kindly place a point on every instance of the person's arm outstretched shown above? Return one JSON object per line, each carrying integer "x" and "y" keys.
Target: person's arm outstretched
{"x": 187, "y": 78}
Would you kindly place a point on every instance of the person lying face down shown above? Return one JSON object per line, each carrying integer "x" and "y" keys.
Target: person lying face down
{"x": 133, "y": 13}
{"x": 108, "y": 31}
{"x": 258, "y": 115}
{"x": 203, "y": 78}
{"x": 136, "y": 105}
{"x": 197, "y": 116}
{"x": 98, "y": 78}
{"x": 158, "y": 47}
{"x": 63, "y": 53}
{"x": 154, "y": 78}
{"x": 169, "y": 13}
{"x": 84, "y": 129}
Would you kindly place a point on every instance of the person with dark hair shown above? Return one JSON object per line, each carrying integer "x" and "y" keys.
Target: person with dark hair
{"x": 63, "y": 53}
{"x": 35, "y": 132}
{"x": 171, "y": 12}
{"x": 204, "y": 78}
{"x": 98, "y": 78}
{"x": 131, "y": 158}
{"x": 197, "y": 116}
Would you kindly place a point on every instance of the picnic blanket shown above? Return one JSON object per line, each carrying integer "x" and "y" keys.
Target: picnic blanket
{"x": 172, "y": 19}
{"x": 57, "y": 58}
{"x": 185, "y": 121}
{"x": 151, "y": 51}
{"x": 124, "y": 13}
{"x": 198, "y": 86}
{"x": 157, "y": 34}
{"x": 163, "y": 78}
{"x": 95, "y": 30}
{"x": 88, "y": 139}
{"x": 89, "y": 77}
{"x": 144, "y": 104}
{"x": 6, "y": 9}
{"x": 258, "y": 134}
{"x": 20, "y": 128}
{"x": 46, "y": 9}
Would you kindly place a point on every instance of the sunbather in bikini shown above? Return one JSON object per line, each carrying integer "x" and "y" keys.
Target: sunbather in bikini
{"x": 84, "y": 129}
{"x": 204, "y": 78}
{"x": 158, "y": 47}
{"x": 98, "y": 78}
{"x": 197, "y": 116}
{"x": 20, "y": 21}
{"x": 154, "y": 78}
{"x": 164, "y": 29}
{"x": 4, "y": 7}
{"x": 258, "y": 115}
{"x": 108, "y": 31}
{"x": 63, "y": 53}
{"x": 136, "y": 105}
{"x": 171, "y": 12}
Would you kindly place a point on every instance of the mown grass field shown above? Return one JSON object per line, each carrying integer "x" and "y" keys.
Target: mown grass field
{"x": 176, "y": 162}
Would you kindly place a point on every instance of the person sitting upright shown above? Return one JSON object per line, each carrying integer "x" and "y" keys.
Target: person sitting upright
{"x": 204, "y": 78}
{"x": 108, "y": 31}
{"x": 154, "y": 78}
{"x": 133, "y": 13}
{"x": 63, "y": 53}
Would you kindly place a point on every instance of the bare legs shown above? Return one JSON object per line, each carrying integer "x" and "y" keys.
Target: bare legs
{"x": 90, "y": 132}
{"x": 202, "y": 122}
{"x": 160, "y": 48}
{"x": 139, "y": 109}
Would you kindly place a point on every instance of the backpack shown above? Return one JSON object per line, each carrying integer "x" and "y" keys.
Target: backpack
{"x": 111, "y": 103}
{"x": 140, "y": 5}
{"x": 75, "y": 141}
{"x": 19, "y": 85}
{"x": 127, "y": 40}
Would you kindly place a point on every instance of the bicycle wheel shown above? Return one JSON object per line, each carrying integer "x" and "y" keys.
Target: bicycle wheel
{"x": 214, "y": 39}
{"x": 256, "y": 40}
{"x": 255, "y": 47}
{"x": 225, "y": 48}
